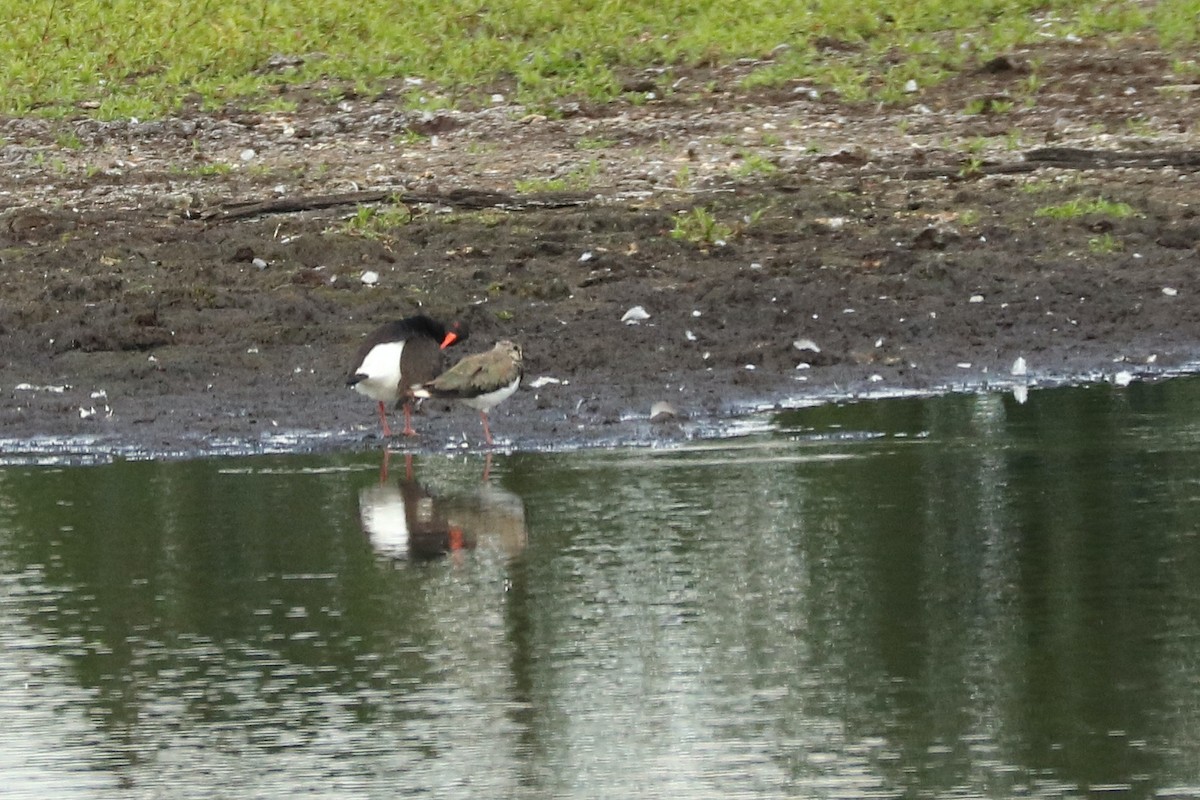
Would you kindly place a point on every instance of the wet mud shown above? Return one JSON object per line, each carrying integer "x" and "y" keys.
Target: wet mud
{"x": 200, "y": 284}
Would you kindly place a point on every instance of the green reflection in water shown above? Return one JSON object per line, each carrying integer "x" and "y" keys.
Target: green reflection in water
{"x": 918, "y": 597}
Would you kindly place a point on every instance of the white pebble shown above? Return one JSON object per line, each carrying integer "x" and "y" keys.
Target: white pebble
{"x": 662, "y": 411}
{"x": 635, "y": 315}
{"x": 806, "y": 344}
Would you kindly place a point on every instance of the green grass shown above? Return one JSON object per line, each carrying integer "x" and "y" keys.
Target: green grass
{"x": 969, "y": 217}
{"x": 579, "y": 179}
{"x": 377, "y": 222}
{"x": 588, "y": 143}
{"x": 751, "y": 165}
{"x": 1105, "y": 244}
{"x": 1082, "y": 207}
{"x": 143, "y": 58}
{"x": 700, "y": 227}
{"x": 205, "y": 170}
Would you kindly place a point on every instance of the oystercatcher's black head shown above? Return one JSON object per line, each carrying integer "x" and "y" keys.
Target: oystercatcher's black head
{"x": 456, "y": 332}
{"x": 422, "y": 325}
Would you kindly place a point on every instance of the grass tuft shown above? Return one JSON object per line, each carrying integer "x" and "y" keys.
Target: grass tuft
{"x": 1080, "y": 207}
{"x": 377, "y": 222}
{"x": 700, "y": 227}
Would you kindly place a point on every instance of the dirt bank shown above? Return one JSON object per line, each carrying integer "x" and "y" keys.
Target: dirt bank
{"x": 145, "y": 301}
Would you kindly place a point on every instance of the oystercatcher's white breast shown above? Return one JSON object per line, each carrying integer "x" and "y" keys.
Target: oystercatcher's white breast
{"x": 382, "y": 368}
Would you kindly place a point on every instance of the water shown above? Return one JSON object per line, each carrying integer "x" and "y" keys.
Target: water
{"x": 951, "y": 597}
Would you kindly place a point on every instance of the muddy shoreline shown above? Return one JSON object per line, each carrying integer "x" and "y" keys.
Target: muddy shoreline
{"x": 148, "y": 306}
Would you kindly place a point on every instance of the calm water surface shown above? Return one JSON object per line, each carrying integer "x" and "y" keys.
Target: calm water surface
{"x": 954, "y": 597}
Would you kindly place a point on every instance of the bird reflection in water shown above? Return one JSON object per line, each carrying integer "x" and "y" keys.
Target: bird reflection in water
{"x": 405, "y": 520}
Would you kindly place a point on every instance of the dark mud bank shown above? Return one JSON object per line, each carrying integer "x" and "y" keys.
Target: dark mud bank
{"x": 178, "y": 289}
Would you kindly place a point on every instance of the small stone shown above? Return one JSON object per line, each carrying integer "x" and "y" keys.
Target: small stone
{"x": 370, "y": 277}
{"x": 806, "y": 344}
{"x": 662, "y": 411}
{"x": 635, "y": 315}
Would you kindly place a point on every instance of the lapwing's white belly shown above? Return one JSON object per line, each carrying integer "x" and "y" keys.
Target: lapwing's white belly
{"x": 486, "y": 402}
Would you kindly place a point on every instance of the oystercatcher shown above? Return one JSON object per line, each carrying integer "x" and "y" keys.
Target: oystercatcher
{"x": 399, "y": 356}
